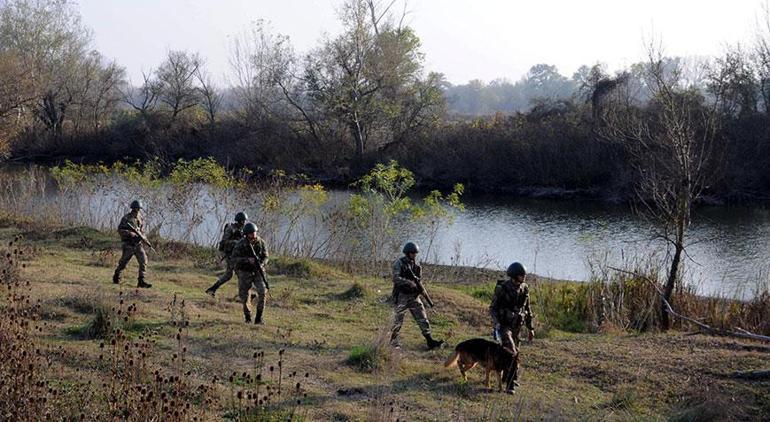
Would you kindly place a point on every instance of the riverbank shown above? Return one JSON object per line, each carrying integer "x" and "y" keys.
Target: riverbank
{"x": 328, "y": 321}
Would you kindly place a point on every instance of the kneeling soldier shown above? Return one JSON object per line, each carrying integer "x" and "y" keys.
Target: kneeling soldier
{"x": 131, "y": 230}
{"x": 232, "y": 233}
{"x": 509, "y": 310}
{"x": 249, "y": 257}
{"x": 406, "y": 296}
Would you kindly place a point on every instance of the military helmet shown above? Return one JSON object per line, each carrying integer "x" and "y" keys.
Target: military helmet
{"x": 411, "y": 248}
{"x": 241, "y": 217}
{"x": 136, "y": 204}
{"x": 516, "y": 269}
{"x": 249, "y": 228}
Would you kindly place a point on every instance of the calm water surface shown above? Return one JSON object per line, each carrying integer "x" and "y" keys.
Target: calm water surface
{"x": 728, "y": 253}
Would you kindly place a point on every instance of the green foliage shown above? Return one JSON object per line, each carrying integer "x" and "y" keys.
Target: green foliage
{"x": 383, "y": 198}
{"x": 292, "y": 267}
{"x": 565, "y": 306}
{"x": 484, "y": 292}
{"x": 356, "y": 291}
{"x": 389, "y": 180}
{"x": 147, "y": 174}
{"x": 71, "y": 174}
{"x": 200, "y": 170}
{"x": 626, "y": 397}
{"x": 105, "y": 319}
{"x": 367, "y": 358}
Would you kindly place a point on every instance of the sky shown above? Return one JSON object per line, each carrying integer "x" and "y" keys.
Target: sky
{"x": 463, "y": 39}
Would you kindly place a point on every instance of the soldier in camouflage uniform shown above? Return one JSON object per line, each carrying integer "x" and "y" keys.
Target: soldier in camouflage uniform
{"x": 510, "y": 310}
{"x": 132, "y": 244}
{"x": 406, "y": 296}
{"x": 232, "y": 233}
{"x": 250, "y": 254}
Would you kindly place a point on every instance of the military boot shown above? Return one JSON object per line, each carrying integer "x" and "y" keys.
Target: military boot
{"x": 142, "y": 285}
{"x": 512, "y": 380}
{"x": 258, "y": 319}
{"x": 432, "y": 343}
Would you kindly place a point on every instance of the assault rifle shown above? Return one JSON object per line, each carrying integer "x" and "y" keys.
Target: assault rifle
{"x": 423, "y": 292}
{"x": 259, "y": 270}
{"x": 141, "y": 235}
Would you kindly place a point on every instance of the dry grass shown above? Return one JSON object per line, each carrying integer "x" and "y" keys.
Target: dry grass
{"x": 197, "y": 351}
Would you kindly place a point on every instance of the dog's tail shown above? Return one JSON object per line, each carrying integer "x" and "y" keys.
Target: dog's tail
{"x": 452, "y": 361}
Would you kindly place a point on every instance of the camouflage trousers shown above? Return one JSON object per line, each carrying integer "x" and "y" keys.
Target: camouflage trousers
{"x": 224, "y": 278}
{"x": 130, "y": 250}
{"x": 509, "y": 337}
{"x": 414, "y": 305}
{"x": 246, "y": 281}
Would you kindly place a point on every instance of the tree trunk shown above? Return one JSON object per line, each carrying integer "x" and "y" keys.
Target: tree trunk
{"x": 682, "y": 218}
{"x": 358, "y": 135}
{"x": 670, "y": 283}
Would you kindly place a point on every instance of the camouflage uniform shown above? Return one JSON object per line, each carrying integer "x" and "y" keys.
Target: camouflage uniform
{"x": 231, "y": 234}
{"x": 509, "y": 310}
{"x": 406, "y": 296}
{"x": 248, "y": 277}
{"x": 132, "y": 245}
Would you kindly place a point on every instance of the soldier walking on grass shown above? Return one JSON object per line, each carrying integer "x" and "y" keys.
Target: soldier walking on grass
{"x": 406, "y": 296}
{"x": 232, "y": 233}
{"x": 510, "y": 310}
{"x": 131, "y": 230}
{"x": 249, "y": 258}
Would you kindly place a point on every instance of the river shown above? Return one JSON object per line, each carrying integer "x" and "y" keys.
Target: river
{"x": 727, "y": 253}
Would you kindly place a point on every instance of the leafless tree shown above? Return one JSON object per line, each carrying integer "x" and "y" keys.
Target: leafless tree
{"x": 263, "y": 65}
{"x": 16, "y": 94}
{"x": 674, "y": 146}
{"x": 97, "y": 89}
{"x": 144, "y": 98}
{"x": 761, "y": 58}
{"x": 176, "y": 76}
{"x": 211, "y": 98}
{"x": 51, "y": 43}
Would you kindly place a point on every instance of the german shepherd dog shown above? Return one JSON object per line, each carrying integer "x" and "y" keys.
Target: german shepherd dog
{"x": 490, "y": 355}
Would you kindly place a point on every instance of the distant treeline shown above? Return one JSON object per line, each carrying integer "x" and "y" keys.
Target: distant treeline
{"x": 361, "y": 97}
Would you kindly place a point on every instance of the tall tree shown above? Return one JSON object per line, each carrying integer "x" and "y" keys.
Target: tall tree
{"x": 210, "y": 96}
{"x": 51, "y": 43}
{"x": 673, "y": 145}
{"x": 370, "y": 79}
{"x": 176, "y": 76}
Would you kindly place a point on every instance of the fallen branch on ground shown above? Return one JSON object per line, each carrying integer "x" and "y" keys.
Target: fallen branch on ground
{"x": 741, "y": 333}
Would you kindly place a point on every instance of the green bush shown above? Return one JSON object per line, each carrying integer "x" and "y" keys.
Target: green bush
{"x": 356, "y": 291}
{"x": 367, "y": 358}
{"x": 292, "y": 267}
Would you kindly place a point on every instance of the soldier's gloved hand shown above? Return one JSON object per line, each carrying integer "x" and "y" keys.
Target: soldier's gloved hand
{"x": 412, "y": 286}
{"x": 252, "y": 261}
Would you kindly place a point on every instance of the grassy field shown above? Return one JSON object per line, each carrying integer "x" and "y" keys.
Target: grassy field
{"x": 331, "y": 325}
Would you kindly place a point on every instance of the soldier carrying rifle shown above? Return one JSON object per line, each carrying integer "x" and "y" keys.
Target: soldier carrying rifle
{"x": 509, "y": 311}
{"x": 407, "y": 289}
{"x": 131, "y": 230}
{"x": 249, "y": 257}
{"x": 231, "y": 234}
